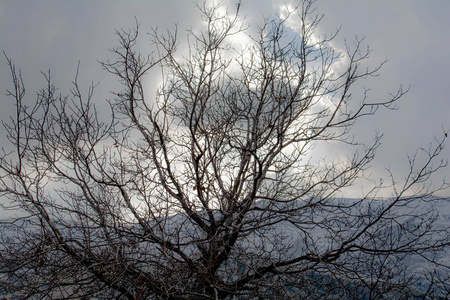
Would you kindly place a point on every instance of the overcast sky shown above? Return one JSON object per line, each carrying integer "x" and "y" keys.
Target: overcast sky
{"x": 413, "y": 34}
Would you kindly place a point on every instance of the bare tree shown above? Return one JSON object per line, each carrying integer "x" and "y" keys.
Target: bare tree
{"x": 210, "y": 190}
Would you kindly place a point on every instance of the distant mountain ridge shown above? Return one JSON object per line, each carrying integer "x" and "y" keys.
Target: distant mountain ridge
{"x": 438, "y": 209}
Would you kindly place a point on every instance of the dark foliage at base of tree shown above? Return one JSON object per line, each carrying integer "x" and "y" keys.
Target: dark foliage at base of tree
{"x": 210, "y": 188}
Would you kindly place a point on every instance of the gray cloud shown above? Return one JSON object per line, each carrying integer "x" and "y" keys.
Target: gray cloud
{"x": 413, "y": 35}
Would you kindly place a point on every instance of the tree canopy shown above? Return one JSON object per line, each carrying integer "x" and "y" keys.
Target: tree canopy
{"x": 209, "y": 188}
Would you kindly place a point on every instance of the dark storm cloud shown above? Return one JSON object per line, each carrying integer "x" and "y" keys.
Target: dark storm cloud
{"x": 413, "y": 35}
